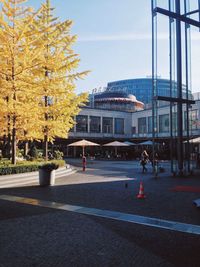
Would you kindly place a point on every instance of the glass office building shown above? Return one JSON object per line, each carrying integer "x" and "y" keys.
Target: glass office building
{"x": 142, "y": 88}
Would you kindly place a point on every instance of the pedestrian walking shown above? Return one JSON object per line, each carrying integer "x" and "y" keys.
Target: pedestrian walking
{"x": 155, "y": 164}
{"x": 144, "y": 160}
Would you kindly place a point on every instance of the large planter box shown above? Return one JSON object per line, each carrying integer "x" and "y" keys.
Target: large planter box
{"x": 46, "y": 177}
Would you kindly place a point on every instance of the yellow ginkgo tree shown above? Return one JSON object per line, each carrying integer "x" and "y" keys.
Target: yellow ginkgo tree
{"x": 58, "y": 101}
{"x": 19, "y": 54}
{"x": 37, "y": 89}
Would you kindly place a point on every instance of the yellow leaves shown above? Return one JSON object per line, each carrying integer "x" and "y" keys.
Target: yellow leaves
{"x": 33, "y": 45}
{"x": 76, "y": 76}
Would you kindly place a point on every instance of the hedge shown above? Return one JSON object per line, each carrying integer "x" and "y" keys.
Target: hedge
{"x": 25, "y": 166}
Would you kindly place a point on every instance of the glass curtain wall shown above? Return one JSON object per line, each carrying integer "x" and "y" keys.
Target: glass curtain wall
{"x": 82, "y": 123}
{"x": 95, "y": 124}
{"x": 107, "y": 125}
{"x": 119, "y": 126}
{"x": 142, "y": 125}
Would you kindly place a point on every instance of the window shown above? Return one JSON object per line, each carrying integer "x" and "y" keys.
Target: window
{"x": 164, "y": 123}
{"x": 82, "y": 123}
{"x": 174, "y": 122}
{"x": 133, "y": 130}
{"x": 150, "y": 125}
{"x": 142, "y": 126}
{"x": 185, "y": 121}
{"x": 95, "y": 124}
{"x": 119, "y": 126}
{"x": 107, "y": 125}
{"x": 194, "y": 119}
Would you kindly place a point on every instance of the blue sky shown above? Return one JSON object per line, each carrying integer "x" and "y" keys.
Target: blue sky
{"x": 114, "y": 40}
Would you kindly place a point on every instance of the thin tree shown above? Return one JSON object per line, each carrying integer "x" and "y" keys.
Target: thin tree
{"x": 19, "y": 55}
{"x": 59, "y": 103}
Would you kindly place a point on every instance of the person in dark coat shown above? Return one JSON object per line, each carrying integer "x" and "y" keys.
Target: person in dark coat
{"x": 144, "y": 160}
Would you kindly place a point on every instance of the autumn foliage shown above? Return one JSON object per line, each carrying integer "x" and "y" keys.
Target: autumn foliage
{"x": 37, "y": 75}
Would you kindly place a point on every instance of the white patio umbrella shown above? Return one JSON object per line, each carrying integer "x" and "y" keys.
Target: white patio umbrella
{"x": 148, "y": 143}
{"x": 130, "y": 143}
{"x": 116, "y": 144}
{"x": 194, "y": 140}
{"x": 83, "y": 143}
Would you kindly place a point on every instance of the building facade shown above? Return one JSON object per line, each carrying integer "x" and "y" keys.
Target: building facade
{"x": 115, "y": 114}
{"x": 141, "y": 88}
{"x": 101, "y": 124}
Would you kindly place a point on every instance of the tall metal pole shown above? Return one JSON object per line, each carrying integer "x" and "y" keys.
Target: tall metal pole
{"x": 152, "y": 54}
{"x": 179, "y": 89}
{"x": 154, "y": 77}
{"x": 170, "y": 75}
{"x": 175, "y": 47}
{"x": 187, "y": 29}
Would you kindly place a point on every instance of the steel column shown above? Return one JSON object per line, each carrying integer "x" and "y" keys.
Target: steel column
{"x": 179, "y": 90}
{"x": 187, "y": 61}
{"x": 154, "y": 77}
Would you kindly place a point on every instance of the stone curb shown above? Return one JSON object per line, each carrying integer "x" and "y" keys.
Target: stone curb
{"x": 31, "y": 178}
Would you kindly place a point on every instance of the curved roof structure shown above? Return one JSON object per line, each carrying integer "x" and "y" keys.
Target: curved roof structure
{"x": 116, "y": 96}
{"x": 118, "y": 101}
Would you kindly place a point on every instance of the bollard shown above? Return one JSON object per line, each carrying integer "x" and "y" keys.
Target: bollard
{"x": 84, "y": 163}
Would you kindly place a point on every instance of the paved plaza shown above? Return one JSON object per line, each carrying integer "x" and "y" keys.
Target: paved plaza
{"x": 94, "y": 218}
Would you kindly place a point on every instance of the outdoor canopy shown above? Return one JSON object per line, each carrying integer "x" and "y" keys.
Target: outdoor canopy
{"x": 130, "y": 143}
{"x": 83, "y": 143}
{"x": 194, "y": 140}
{"x": 148, "y": 143}
{"x": 116, "y": 144}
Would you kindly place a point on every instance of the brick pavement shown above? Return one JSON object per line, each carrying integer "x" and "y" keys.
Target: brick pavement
{"x": 35, "y": 236}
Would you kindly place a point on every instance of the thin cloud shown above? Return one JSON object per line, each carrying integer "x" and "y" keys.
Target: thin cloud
{"x": 117, "y": 37}
{"x": 129, "y": 37}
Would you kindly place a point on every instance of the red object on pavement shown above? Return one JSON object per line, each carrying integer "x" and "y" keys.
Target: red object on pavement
{"x": 84, "y": 163}
{"x": 185, "y": 188}
{"x": 141, "y": 194}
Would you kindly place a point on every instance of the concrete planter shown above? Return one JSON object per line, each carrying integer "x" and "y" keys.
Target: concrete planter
{"x": 46, "y": 177}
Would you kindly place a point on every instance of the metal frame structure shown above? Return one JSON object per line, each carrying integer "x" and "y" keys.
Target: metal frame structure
{"x": 176, "y": 57}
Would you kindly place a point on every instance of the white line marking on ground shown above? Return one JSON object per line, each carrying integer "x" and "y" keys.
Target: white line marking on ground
{"x": 153, "y": 222}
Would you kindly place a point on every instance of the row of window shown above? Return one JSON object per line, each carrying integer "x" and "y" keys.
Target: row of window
{"x": 93, "y": 124}
{"x": 111, "y": 125}
{"x": 145, "y": 124}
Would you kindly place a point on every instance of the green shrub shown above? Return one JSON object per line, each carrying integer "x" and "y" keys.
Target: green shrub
{"x": 58, "y": 154}
{"x": 26, "y": 166}
{"x": 49, "y": 166}
{"x": 59, "y": 162}
{"x": 20, "y": 153}
{"x": 33, "y": 152}
{"x": 5, "y": 162}
{"x": 13, "y": 169}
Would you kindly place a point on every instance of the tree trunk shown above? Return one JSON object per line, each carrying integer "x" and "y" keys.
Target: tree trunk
{"x": 6, "y": 150}
{"x": 25, "y": 148}
{"x": 8, "y": 143}
{"x": 8, "y": 147}
{"x": 46, "y": 129}
{"x": 14, "y": 146}
{"x": 4, "y": 146}
{"x": 45, "y": 148}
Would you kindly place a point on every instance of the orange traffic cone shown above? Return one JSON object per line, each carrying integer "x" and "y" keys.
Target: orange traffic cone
{"x": 141, "y": 194}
